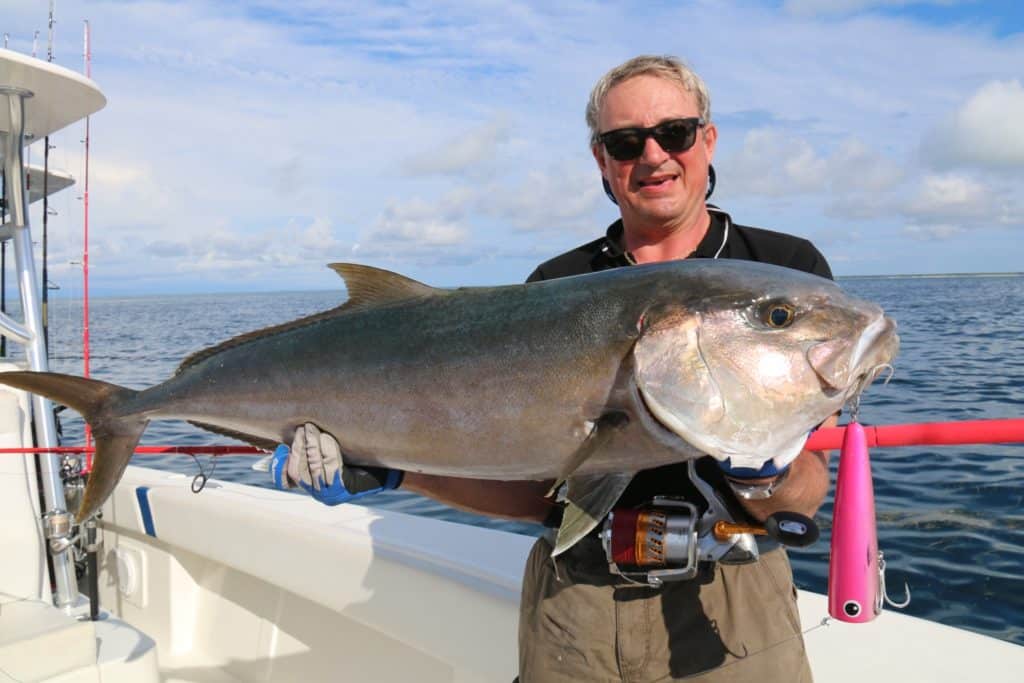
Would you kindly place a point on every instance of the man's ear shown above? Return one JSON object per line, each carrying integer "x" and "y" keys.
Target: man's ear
{"x": 710, "y": 138}
{"x": 598, "y": 152}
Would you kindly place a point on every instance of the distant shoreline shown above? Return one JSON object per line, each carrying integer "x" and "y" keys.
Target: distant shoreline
{"x": 927, "y": 276}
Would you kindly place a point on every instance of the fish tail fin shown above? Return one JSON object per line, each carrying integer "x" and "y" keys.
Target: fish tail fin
{"x": 116, "y": 435}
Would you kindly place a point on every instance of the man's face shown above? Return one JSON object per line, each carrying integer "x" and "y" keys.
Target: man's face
{"x": 657, "y": 191}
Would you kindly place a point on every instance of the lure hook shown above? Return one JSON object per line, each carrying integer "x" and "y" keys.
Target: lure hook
{"x": 885, "y": 594}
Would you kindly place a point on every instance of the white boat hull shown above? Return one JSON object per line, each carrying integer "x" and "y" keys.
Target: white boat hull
{"x": 240, "y": 583}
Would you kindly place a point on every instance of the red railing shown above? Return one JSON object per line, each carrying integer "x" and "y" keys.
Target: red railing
{"x": 880, "y": 436}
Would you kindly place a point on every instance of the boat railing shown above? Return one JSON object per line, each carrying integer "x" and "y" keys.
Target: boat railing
{"x": 36, "y": 99}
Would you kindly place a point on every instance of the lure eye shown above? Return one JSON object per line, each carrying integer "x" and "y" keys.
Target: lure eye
{"x": 851, "y": 608}
{"x": 779, "y": 316}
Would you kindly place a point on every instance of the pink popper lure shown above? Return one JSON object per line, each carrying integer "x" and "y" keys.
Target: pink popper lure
{"x": 856, "y": 567}
{"x": 855, "y": 589}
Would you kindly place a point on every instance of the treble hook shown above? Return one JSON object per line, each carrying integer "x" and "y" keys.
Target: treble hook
{"x": 885, "y": 595}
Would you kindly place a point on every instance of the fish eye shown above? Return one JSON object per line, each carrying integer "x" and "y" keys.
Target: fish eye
{"x": 779, "y": 316}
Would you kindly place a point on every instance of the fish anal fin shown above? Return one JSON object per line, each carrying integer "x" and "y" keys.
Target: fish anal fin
{"x": 589, "y": 499}
{"x": 368, "y": 286}
{"x": 604, "y": 428}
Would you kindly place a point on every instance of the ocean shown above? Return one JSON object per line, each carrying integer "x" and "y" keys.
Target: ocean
{"x": 950, "y": 519}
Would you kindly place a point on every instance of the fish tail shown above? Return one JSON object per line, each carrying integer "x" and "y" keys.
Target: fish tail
{"x": 116, "y": 435}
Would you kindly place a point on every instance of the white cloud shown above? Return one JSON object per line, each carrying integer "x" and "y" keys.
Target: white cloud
{"x": 774, "y": 163}
{"x": 948, "y": 196}
{"x": 463, "y": 151}
{"x": 933, "y": 231}
{"x": 419, "y": 225}
{"x": 856, "y": 166}
{"x": 987, "y": 131}
{"x": 949, "y": 204}
{"x": 564, "y": 198}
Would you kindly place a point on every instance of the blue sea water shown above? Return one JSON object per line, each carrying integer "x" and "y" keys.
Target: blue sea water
{"x": 950, "y": 519}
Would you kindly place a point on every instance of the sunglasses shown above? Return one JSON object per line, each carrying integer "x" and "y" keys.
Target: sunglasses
{"x": 675, "y": 136}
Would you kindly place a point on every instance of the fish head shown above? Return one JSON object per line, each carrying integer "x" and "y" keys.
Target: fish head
{"x": 747, "y": 370}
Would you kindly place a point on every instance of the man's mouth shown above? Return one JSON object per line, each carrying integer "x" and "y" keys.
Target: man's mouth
{"x": 656, "y": 181}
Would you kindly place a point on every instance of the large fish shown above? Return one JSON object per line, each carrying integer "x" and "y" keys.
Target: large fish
{"x": 587, "y": 379}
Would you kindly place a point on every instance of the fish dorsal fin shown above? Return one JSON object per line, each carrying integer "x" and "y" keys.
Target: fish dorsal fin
{"x": 368, "y": 286}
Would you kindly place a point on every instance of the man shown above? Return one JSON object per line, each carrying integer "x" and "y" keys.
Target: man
{"x": 653, "y": 140}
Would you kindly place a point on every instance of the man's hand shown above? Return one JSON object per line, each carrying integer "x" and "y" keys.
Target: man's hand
{"x": 801, "y": 487}
{"x": 314, "y": 463}
{"x": 756, "y": 484}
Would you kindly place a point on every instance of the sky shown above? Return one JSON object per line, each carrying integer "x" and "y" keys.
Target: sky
{"x": 245, "y": 146}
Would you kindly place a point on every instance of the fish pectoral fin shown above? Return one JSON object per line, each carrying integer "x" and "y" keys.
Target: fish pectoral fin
{"x": 368, "y": 286}
{"x": 589, "y": 499}
{"x": 603, "y": 430}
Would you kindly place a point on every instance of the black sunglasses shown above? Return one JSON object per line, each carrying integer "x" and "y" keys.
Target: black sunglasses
{"x": 675, "y": 136}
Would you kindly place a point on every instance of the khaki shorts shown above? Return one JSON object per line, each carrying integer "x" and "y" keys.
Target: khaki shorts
{"x": 734, "y": 623}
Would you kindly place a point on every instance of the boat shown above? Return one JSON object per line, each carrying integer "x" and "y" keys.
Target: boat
{"x": 242, "y": 583}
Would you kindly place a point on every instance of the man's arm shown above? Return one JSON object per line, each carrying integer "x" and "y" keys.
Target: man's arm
{"x": 314, "y": 462}
{"x": 804, "y": 489}
{"x": 518, "y": 500}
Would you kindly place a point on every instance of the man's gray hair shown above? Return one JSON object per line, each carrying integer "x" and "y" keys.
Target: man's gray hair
{"x": 667, "y": 67}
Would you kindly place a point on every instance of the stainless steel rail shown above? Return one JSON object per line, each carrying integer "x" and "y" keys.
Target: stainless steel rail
{"x": 31, "y": 334}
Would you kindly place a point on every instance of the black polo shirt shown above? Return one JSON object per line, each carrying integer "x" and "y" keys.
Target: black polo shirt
{"x": 724, "y": 239}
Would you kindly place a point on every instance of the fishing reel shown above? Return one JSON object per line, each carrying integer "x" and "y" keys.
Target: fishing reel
{"x": 668, "y": 539}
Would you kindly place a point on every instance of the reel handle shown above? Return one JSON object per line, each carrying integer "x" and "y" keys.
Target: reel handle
{"x": 791, "y": 529}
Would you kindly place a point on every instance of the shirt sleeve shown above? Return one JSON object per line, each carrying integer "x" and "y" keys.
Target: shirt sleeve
{"x": 536, "y": 275}
{"x": 810, "y": 260}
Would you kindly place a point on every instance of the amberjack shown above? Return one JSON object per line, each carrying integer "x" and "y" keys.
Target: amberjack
{"x": 585, "y": 379}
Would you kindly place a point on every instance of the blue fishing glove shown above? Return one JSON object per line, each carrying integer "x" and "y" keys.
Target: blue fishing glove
{"x": 769, "y": 469}
{"x": 744, "y": 481}
{"x": 314, "y": 463}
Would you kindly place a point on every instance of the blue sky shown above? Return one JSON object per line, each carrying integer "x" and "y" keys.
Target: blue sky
{"x": 247, "y": 145}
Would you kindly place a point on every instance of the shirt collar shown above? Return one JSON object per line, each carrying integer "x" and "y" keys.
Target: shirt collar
{"x": 709, "y": 246}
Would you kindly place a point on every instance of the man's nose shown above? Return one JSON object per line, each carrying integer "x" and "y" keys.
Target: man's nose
{"x": 653, "y": 154}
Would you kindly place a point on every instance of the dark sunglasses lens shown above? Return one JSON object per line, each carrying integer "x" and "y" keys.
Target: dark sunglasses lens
{"x": 673, "y": 136}
{"x": 624, "y": 145}
{"x": 676, "y": 136}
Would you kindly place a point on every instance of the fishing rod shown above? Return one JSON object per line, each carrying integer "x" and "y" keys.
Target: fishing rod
{"x": 1010, "y": 430}
{"x": 46, "y": 204}
{"x": 955, "y": 433}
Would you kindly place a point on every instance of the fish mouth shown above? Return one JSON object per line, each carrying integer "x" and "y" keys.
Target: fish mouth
{"x": 842, "y": 366}
{"x": 879, "y": 339}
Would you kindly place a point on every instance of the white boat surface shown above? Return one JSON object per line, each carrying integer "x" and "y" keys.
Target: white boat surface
{"x": 241, "y": 583}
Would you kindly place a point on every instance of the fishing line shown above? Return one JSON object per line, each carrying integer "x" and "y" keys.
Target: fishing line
{"x": 826, "y": 621}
